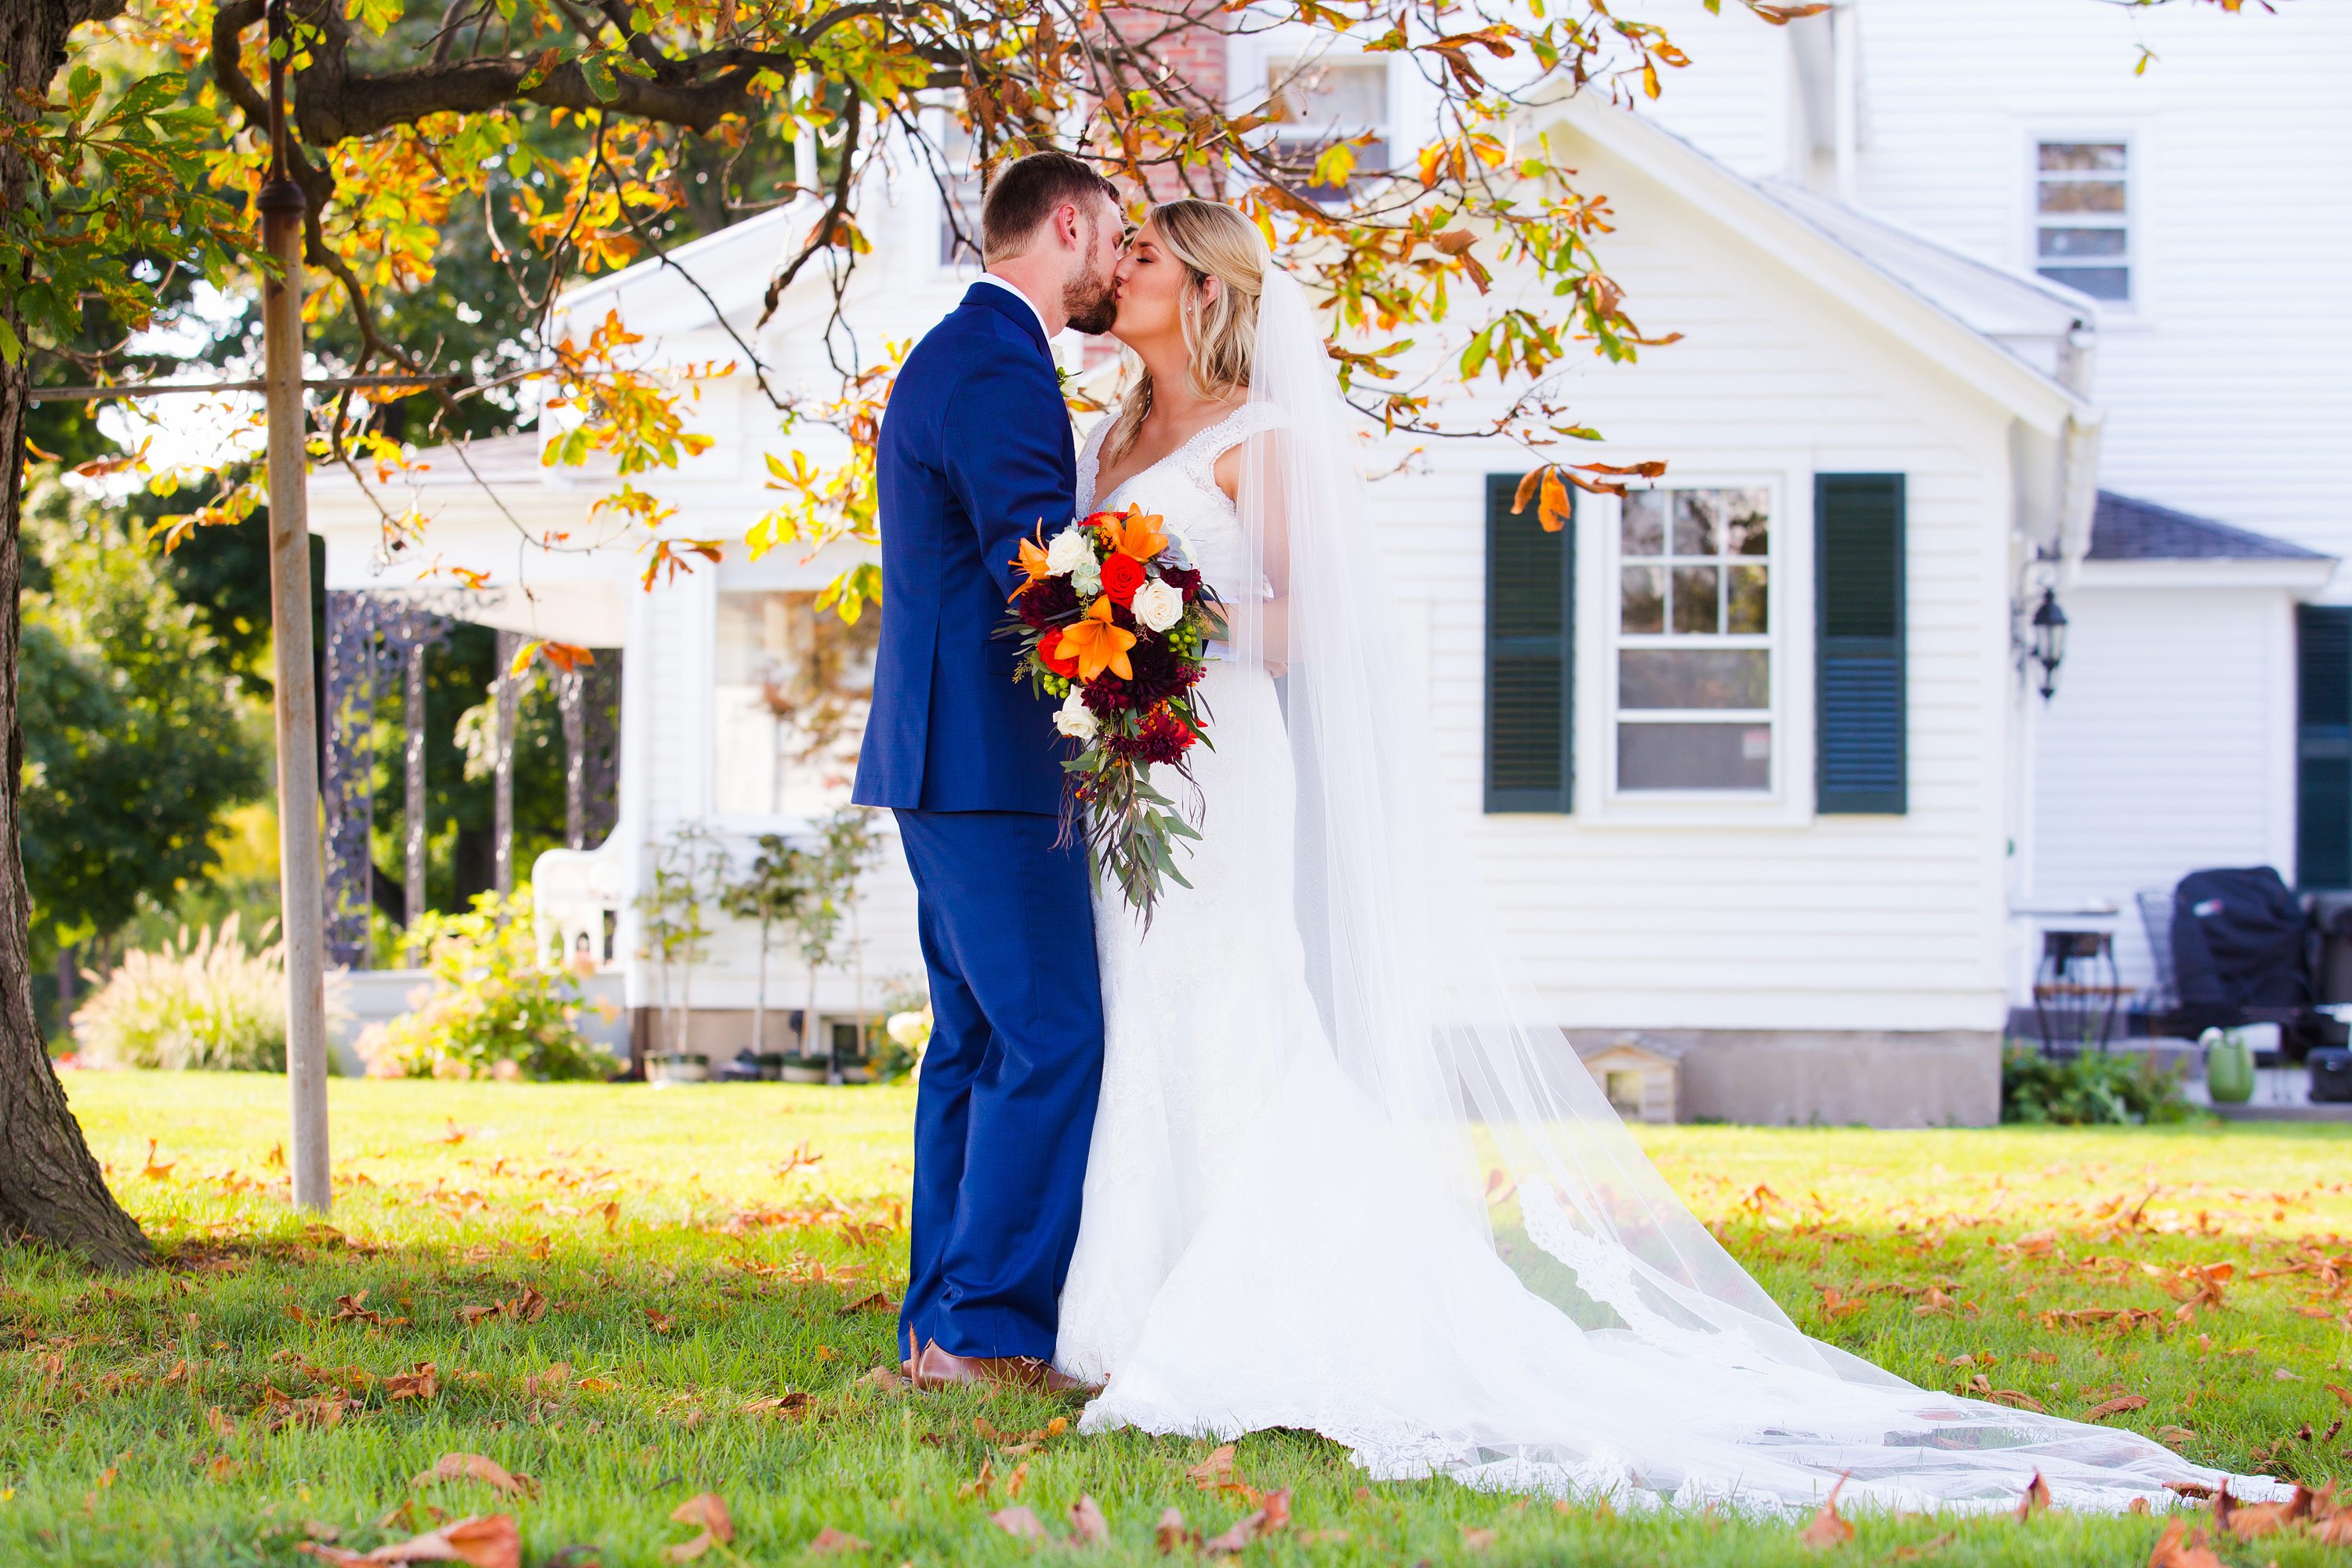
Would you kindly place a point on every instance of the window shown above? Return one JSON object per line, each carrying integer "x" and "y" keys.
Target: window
{"x": 792, "y": 692}
{"x": 1694, "y": 647}
{"x": 2082, "y": 216}
{"x": 959, "y": 182}
{"x": 1330, "y": 121}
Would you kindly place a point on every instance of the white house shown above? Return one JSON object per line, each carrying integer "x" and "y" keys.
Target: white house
{"x": 1754, "y": 763}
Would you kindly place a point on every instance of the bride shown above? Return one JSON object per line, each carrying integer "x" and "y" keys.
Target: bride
{"x": 1341, "y": 1178}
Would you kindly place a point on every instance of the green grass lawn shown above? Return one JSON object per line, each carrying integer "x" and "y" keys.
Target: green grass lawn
{"x": 664, "y": 1268}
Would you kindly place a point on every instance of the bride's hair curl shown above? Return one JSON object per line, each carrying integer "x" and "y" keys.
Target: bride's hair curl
{"x": 1211, "y": 240}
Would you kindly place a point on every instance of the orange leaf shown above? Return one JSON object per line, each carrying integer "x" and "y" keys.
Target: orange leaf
{"x": 707, "y": 1510}
{"x": 1020, "y": 1521}
{"x": 2115, "y": 1406}
{"x": 477, "y": 1467}
{"x": 480, "y": 1542}
{"x": 1215, "y": 1472}
{"x": 1169, "y": 1535}
{"x": 1551, "y": 504}
{"x": 1526, "y": 490}
{"x": 1086, "y": 1521}
{"x": 1925, "y": 1547}
{"x": 1828, "y": 1530}
{"x": 830, "y": 1542}
{"x": 2036, "y": 1498}
{"x": 2182, "y": 1547}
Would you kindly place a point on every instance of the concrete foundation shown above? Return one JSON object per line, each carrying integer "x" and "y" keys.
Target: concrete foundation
{"x": 1876, "y": 1078}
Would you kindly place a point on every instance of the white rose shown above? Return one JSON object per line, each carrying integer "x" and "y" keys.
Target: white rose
{"x": 1158, "y": 606}
{"x": 1073, "y": 719}
{"x": 1069, "y": 550}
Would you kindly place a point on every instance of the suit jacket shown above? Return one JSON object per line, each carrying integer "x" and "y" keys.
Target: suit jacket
{"x": 975, "y": 453}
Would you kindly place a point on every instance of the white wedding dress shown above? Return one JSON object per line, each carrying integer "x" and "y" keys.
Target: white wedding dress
{"x": 1276, "y": 1236}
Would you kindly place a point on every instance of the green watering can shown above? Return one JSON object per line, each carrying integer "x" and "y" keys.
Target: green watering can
{"x": 2228, "y": 1067}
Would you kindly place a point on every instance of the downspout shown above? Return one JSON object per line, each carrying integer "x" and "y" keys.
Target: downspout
{"x": 2078, "y": 456}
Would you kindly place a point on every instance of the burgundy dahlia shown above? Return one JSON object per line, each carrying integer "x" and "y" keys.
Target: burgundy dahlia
{"x": 1184, "y": 579}
{"x": 1048, "y": 602}
{"x": 1159, "y": 673}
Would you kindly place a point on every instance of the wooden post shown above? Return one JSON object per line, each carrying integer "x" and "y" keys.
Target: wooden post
{"x": 300, "y": 879}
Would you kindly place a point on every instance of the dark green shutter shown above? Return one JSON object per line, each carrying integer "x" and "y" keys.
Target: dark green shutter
{"x": 1859, "y": 734}
{"x": 1530, "y": 656}
{"x": 2323, "y": 747}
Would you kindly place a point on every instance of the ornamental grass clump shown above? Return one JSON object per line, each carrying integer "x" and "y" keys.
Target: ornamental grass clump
{"x": 494, "y": 1011}
{"x": 204, "y": 1001}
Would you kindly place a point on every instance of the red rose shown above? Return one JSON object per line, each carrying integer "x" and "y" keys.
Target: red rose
{"x": 1064, "y": 664}
{"x": 1122, "y": 576}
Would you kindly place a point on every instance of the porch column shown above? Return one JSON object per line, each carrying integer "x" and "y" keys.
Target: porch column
{"x": 508, "y": 689}
{"x": 348, "y": 780}
{"x": 570, "y": 702}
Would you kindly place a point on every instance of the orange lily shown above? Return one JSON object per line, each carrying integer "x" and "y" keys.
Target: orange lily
{"x": 1132, "y": 533}
{"x": 1030, "y": 560}
{"x": 1098, "y": 644}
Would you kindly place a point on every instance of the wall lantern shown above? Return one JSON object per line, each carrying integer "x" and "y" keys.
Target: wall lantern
{"x": 2048, "y": 649}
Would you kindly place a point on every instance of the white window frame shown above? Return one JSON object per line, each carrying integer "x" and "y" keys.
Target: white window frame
{"x": 1788, "y": 802}
{"x": 1250, "y": 58}
{"x": 2127, "y": 312}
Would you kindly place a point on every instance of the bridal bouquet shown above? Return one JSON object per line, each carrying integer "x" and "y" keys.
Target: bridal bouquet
{"x": 1112, "y": 622}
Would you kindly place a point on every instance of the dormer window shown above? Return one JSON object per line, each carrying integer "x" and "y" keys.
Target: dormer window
{"x": 1318, "y": 105}
{"x": 2082, "y": 216}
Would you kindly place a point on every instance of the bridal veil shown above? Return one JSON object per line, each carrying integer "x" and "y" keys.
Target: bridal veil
{"x": 1676, "y": 1378}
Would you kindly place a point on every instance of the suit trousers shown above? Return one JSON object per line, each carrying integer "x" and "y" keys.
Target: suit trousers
{"x": 1006, "y": 1106}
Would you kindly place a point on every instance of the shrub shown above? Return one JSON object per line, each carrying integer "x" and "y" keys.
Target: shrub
{"x": 2088, "y": 1088}
{"x": 196, "y": 1002}
{"x": 494, "y": 1010}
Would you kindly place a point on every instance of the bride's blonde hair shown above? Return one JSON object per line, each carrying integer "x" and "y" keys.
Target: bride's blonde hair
{"x": 1211, "y": 240}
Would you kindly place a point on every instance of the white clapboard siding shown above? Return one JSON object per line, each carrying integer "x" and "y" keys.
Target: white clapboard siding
{"x": 2224, "y": 383}
{"x": 2153, "y": 763}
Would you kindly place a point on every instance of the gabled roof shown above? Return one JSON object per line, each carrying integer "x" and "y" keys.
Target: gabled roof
{"x": 1866, "y": 279}
{"x": 2122, "y": 529}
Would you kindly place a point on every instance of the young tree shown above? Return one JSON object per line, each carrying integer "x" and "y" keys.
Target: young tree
{"x": 775, "y": 889}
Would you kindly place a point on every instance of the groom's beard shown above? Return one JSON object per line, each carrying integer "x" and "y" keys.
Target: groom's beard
{"x": 1091, "y": 302}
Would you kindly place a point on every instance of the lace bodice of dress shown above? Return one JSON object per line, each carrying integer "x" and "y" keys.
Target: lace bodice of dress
{"x": 1181, "y": 490}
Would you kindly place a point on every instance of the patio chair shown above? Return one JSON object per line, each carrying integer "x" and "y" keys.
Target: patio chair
{"x": 2156, "y": 917}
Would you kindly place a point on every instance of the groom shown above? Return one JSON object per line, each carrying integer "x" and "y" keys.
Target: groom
{"x": 974, "y": 454}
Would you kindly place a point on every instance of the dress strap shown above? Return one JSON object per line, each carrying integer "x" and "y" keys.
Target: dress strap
{"x": 1198, "y": 456}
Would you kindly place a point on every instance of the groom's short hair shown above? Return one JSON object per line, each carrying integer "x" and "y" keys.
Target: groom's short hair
{"x": 1029, "y": 190}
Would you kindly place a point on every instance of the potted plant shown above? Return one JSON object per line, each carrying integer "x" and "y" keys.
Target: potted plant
{"x": 780, "y": 881}
{"x": 847, "y": 844}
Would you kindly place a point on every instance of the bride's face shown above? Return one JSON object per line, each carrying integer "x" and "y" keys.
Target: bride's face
{"x": 1151, "y": 283}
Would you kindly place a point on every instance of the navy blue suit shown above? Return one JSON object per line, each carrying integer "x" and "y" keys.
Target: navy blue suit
{"x": 975, "y": 453}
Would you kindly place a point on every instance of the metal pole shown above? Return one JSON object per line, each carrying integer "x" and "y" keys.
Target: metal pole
{"x": 302, "y": 882}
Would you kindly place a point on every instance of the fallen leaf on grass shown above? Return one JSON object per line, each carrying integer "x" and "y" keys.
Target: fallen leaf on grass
{"x": 1828, "y": 1530}
{"x": 2115, "y": 1406}
{"x": 2036, "y": 1498}
{"x": 887, "y": 1379}
{"x": 422, "y": 1383}
{"x": 2182, "y": 1547}
{"x": 157, "y": 1170}
{"x": 661, "y": 1322}
{"x": 707, "y": 1510}
{"x": 2175, "y": 1434}
{"x": 490, "y": 1541}
{"x": 1087, "y": 1522}
{"x": 1215, "y": 1473}
{"x": 1925, "y": 1547}
{"x": 1171, "y": 1535}
{"x": 1272, "y": 1514}
{"x": 455, "y": 1135}
{"x": 1475, "y": 1539}
{"x": 353, "y": 1309}
{"x": 477, "y": 1467}
{"x": 1020, "y": 1521}
{"x": 830, "y": 1542}
{"x": 876, "y": 1303}
{"x": 2248, "y": 1520}
{"x": 779, "y": 1404}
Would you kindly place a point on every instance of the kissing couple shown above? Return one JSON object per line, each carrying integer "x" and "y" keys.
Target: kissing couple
{"x": 1304, "y": 1154}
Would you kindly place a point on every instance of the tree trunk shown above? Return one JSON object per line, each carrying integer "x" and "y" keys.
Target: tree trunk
{"x": 50, "y": 1186}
